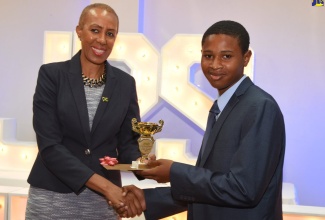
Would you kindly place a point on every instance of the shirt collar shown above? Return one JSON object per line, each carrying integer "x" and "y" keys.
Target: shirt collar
{"x": 224, "y": 98}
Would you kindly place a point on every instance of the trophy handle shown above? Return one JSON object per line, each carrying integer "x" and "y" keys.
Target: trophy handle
{"x": 160, "y": 126}
{"x": 134, "y": 125}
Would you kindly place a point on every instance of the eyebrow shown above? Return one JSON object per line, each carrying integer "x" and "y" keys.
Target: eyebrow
{"x": 98, "y": 26}
{"x": 227, "y": 51}
{"x": 223, "y": 51}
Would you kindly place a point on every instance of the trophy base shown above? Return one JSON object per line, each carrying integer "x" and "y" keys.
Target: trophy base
{"x": 127, "y": 167}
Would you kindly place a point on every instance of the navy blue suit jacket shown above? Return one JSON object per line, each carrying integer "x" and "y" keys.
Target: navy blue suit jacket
{"x": 62, "y": 128}
{"x": 239, "y": 175}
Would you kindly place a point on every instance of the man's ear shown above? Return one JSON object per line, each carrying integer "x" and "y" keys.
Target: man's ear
{"x": 247, "y": 57}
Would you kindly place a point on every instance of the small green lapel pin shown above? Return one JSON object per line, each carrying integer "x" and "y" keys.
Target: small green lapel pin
{"x": 105, "y": 99}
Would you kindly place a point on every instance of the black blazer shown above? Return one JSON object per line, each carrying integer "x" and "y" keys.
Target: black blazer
{"x": 239, "y": 176}
{"x": 69, "y": 151}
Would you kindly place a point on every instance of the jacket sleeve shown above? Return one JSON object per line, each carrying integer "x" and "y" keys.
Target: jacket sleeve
{"x": 55, "y": 156}
{"x": 253, "y": 164}
{"x": 128, "y": 147}
{"x": 160, "y": 203}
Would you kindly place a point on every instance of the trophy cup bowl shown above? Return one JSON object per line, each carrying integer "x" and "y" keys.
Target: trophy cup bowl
{"x": 146, "y": 141}
{"x": 146, "y": 131}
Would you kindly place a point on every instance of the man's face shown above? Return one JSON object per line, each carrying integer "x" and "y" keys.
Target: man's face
{"x": 97, "y": 32}
{"x": 222, "y": 61}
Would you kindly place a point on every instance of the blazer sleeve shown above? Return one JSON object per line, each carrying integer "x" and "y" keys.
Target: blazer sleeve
{"x": 55, "y": 156}
{"x": 160, "y": 203}
{"x": 253, "y": 165}
{"x": 128, "y": 148}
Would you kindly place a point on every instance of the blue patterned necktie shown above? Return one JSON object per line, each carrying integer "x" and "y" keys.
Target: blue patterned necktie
{"x": 214, "y": 111}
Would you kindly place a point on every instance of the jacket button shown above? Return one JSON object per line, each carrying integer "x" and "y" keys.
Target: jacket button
{"x": 87, "y": 152}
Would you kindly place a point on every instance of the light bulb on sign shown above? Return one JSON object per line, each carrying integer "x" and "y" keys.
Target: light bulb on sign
{"x": 120, "y": 47}
{"x": 64, "y": 47}
{"x": 3, "y": 149}
{"x": 143, "y": 54}
{"x": 24, "y": 156}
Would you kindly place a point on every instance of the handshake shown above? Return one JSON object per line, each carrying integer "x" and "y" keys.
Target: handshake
{"x": 132, "y": 202}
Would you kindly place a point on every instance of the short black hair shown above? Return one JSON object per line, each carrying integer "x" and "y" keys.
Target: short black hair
{"x": 230, "y": 28}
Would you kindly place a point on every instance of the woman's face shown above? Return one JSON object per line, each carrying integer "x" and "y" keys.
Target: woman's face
{"x": 97, "y": 32}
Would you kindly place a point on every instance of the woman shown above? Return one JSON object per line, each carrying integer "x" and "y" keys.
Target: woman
{"x": 82, "y": 112}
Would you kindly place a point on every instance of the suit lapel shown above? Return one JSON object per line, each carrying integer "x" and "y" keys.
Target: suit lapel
{"x": 106, "y": 97}
{"x": 223, "y": 116}
{"x": 78, "y": 91}
{"x": 216, "y": 128}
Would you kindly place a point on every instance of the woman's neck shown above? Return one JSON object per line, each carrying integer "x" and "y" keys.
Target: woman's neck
{"x": 93, "y": 71}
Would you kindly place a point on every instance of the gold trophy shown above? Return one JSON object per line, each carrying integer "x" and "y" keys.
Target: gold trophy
{"x": 146, "y": 131}
{"x": 146, "y": 141}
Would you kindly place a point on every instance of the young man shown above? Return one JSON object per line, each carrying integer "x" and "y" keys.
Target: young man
{"x": 238, "y": 175}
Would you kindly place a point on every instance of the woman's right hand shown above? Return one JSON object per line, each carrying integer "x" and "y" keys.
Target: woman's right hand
{"x": 113, "y": 194}
{"x": 135, "y": 200}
